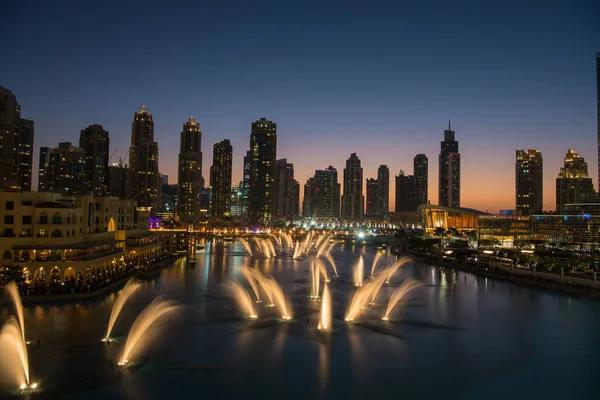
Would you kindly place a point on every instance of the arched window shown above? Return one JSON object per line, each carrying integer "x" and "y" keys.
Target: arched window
{"x": 56, "y": 218}
{"x": 7, "y": 255}
{"x": 56, "y": 233}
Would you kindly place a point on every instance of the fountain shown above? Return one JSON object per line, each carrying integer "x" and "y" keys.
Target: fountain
{"x": 406, "y": 287}
{"x": 264, "y": 284}
{"x": 277, "y": 239}
{"x": 323, "y": 246}
{"x": 392, "y": 270}
{"x": 270, "y": 247}
{"x": 249, "y": 275}
{"x": 280, "y": 299}
{"x": 246, "y": 245}
{"x": 375, "y": 259}
{"x": 297, "y": 251}
{"x": 358, "y": 272}
{"x": 358, "y": 302}
{"x": 130, "y": 288}
{"x": 375, "y": 285}
{"x": 13, "y": 293}
{"x": 242, "y": 297}
{"x": 321, "y": 267}
{"x": 14, "y": 362}
{"x": 287, "y": 238}
{"x": 325, "y": 320}
{"x": 144, "y": 320}
{"x": 315, "y": 279}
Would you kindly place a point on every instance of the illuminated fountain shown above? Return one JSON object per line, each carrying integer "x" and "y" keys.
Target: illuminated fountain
{"x": 280, "y": 299}
{"x": 325, "y": 319}
{"x": 358, "y": 272}
{"x": 246, "y": 245}
{"x": 137, "y": 337}
{"x": 287, "y": 238}
{"x": 358, "y": 302}
{"x": 130, "y": 288}
{"x": 321, "y": 267}
{"x": 394, "y": 267}
{"x": 315, "y": 275}
{"x": 270, "y": 247}
{"x": 400, "y": 292}
{"x": 14, "y": 362}
{"x": 242, "y": 297}
{"x": 321, "y": 248}
{"x": 13, "y": 293}
{"x": 264, "y": 283}
{"x": 375, "y": 285}
{"x": 375, "y": 259}
{"x": 277, "y": 239}
{"x": 249, "y": 275}
{"x": 297, "y": 251}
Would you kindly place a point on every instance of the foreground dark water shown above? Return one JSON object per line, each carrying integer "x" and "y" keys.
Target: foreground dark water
{"x": 463, "y": 337}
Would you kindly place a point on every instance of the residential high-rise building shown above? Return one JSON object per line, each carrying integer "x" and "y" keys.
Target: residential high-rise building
{"x": 25, "y": 153}
{"x": 118, "y": 185}
{"x": 382, "y": 205}
{"x": 236, "y": 200}
{"x": 287, "y": 194}
{"x": 143, "y": 161}
{"x": 322, "y": 194}
{"x": 43, "y": 168}
{"x": 421, "y": 174}
{"x": 353, "y": 200}
{"x": 95, "y": 143}
{"x": 307, "y": 205}
{"x": 67, "y": 171}
{"x": 529, "y": 182}
{"x": 598, "y": 109}
{"x": 221, "y": 179}
{"x": 245, "y": 185}
{"x": 10, "y": 114}
{"x": 406, "y": 193}
{"x": 189, "y": 175}
{"x": 573, "y": 184}
{"x": 263, "y": 154}
{"x": 449, "y": 182}
{"x": 372, "y": 197}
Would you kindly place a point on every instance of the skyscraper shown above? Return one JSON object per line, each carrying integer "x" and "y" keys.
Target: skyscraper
{"x": 573, "y": 184}
{"x": 221, "y": 179}
{"x": 529, "y": 182}
{"x": 67, "y": 170}
{"x": 449, "y": 183}
{"x": 372, "y": 197}
{"x": 189, "y": 175}
{"x": 95, "y": 143}
{"x": 287, "y": 195}
{"x": 143, "y": 161}
{"x": 25, "y": 153}
{"x": 325, "y": 195}
{"x": 263, "y": 154}
{"x": 353, "y": 200}
{"x": 119, "y": 180}
{"x": 406, "y": 193}
{"x": 382, "y": 205}
{"x": 598, "y": 109}
{"x": 307, "y": 205}
{"x": 10, "y": 114}
{"x": 43, "y": 168}
{"x": 421, "y": 174}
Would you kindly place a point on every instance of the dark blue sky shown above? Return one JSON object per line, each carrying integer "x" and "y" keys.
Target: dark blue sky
{"x": 377, "y": 78}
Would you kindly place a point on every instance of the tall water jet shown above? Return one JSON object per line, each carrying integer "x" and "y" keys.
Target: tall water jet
{"x": 321, "y": 248}
{"x": 277, "y": 239}
{"x": 242, "y": 297}
{"x": 320, "y": 240}
{"x": 325, "y": 320}
{"x": 14, "y": 361}
{"x": 130, "y": 288}
{"x": 246, "y": 245}
{"x": 321, "y": 267}
{"x": 271, "y": 248}
{"x": 280, "y": 299}
{"x": 288, "y": 240}
{"x": 144, "y": 320}
{"x": 264, "y": 284}
{"x": 375, "y": 285}
{"x": 374, "y": 265}
{"x": 297, "y": 250}
{"x": 357, "y": 303}
{"x": 406, "y": 287}
{"x": 315, "y": 280}
{"x": 358, "y": 272}
{"x": 13, "y": 293}
{"x": 394, "y": 267}
{"x": 247, "y": 272}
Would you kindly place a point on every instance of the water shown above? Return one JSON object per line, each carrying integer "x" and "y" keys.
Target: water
{"x": 516, "y": 341}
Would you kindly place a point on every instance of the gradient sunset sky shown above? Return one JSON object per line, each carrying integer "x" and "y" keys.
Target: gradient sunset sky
{"x": 381, "y": 79}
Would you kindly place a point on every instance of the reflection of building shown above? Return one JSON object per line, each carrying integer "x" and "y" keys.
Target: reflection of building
{"x": 67, "y": 170}
{"x": 529, "y": 182}
{"x": 353, "y": 200}
{"x": 220, "y": 179}
{"x": 287, "y": 191}
{"x": 262, "y": 157}
{"x": 94, "y": 141}
{"x": 189, "y": 177}
{"x": 573, "y": 184}
{"x": 143, "y": 161}
{"x": 54, "y": 237}
{"x": 449, "y": 184}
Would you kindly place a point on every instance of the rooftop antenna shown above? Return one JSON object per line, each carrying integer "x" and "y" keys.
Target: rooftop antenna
{"x": 449, "y": 125}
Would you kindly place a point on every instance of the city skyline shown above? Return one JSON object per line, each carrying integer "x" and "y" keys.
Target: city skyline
{"x": 389, "y": 94}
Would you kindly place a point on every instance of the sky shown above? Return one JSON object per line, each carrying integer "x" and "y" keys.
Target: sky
{"x": 376, "y": 78}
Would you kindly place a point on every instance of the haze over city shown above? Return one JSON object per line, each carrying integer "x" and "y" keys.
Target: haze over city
{"x": 381, "y": 80}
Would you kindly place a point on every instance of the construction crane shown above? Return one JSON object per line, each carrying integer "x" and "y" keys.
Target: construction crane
{"x": 112, "y": 155}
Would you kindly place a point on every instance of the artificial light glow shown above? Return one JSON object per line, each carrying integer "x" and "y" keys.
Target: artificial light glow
{"x": 527, "y": 251}
{"x": 488, "y": 252}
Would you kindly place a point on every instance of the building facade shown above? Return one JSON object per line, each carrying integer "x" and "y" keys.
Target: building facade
{"x": 220, "y": 178}
{"x": 372, "y": 194}
{"x": 118, "y": 186}
{"x": 449, "y": 171}
{"x": 382, "y": 204}
{"x": 529, "y": 182}
{"x": 421, "y": 174}
{"x": 189, "y": 175}
{"x": 287, "y": 191}
{"x": 95, "y": 143}
{"x": 353, "y": 200}
{"x": 261, "y": 162}
{"x": 25, "y": 153}
{"x": 573, "y": 184}
{"x": 67, "y": 171}
{"x": 144, "y": 177}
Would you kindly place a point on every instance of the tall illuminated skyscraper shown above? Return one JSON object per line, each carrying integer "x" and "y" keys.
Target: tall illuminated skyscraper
{"x": 421, "y": 174}
{"x": 573, "y": 184}
{"x": 372, "y": 194}
{"x": 353, "y": 200}
{"x": 143, "y": 161}
{"x": 25, "y": 153}
{"x": 449, "y": 182}
{"x": 529, "y": 182}
{"x": 95, "y": 143}
{"x": 322, "y": 194}
{"x": 261, "y": 163}
{"x": 220, "y": 179}
{"x": 287, "y": 191}
{"x": 382, "y": 203}
{"x": 189, "y": 175}
{"x": 43, "y": 168}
